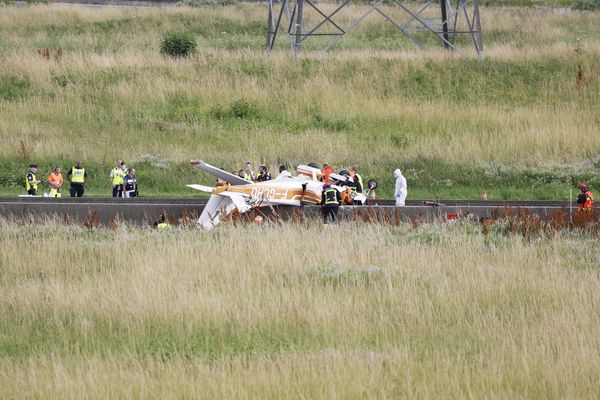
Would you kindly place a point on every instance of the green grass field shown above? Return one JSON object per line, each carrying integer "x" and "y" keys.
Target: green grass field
{"x": 298, "y": 311}
{"x": 516, "y": 124}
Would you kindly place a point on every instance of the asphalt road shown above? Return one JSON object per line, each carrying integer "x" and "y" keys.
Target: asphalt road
{"x": 147, "y": 210}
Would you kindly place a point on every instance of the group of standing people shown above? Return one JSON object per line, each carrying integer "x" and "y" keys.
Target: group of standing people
{"x": 123, "y": 181}
{"x": 76, "y": 176}
{"x": 263, "y": 174}
{"x": 331, "y": 198}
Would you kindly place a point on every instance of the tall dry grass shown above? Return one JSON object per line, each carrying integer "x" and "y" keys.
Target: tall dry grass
{"x": 297, "y": 311}
{"x": 467, "y": 130}
{"x": 113, "y": 53}
{"x": 375, "y": 101}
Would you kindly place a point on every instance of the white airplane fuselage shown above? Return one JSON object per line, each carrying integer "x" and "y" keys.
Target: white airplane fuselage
{"x": 242, "y": 195}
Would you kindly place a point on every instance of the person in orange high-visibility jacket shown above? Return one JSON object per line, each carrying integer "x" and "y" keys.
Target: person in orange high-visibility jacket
{"x": 55, "y": 180}
{"x": 327, "y": 170}
{"x": 585, "y": 198}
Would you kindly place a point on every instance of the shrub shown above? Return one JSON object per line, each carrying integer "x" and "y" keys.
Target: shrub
{"x": 178, "y": 44}
{"x": 244, "y": 109}
{"x": 239, "y": 109}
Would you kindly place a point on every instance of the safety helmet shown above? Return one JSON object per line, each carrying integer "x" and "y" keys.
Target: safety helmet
{"x": 583, "y": 186}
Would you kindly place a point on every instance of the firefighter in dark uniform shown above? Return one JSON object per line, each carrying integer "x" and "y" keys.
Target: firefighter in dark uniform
{"x": 31, "y": 183}
{"x": 330, "y": 202}
{"x": 357, "y": 180}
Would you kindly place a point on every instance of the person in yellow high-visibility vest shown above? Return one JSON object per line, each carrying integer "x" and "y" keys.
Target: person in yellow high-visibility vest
{"x": 163, "y": 223}
{"x": 249, "y": 174}
{"x": 117, "y": 176}
{"x": 77, "y": 175}
{"x": 31, "y": 182}
{"x": 357, "y": 180}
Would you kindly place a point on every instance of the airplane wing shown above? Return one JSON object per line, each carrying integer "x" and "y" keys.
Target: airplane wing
{"x": 221, "y": 204}
{"x": 211, "y": 215}
{"x": 238, "y": 200}
{"x": 219, "y": 173}
{"x": 201, "y": 188}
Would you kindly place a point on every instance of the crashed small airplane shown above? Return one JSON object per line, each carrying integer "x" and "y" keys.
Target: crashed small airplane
{"x": 241, "y": 195}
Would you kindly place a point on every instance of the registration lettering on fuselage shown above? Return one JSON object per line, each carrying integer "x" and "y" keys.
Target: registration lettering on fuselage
{"x": 273, "y": 193}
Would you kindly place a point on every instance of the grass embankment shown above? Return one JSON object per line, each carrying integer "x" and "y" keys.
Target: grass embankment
{"x": 518, "y": 124}
{"x": 297, "y": 311}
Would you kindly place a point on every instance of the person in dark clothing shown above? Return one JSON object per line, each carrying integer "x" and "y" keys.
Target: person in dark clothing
{"x": 263, "y": 174}
{"x": 357, "y": 181}
{"x": 77, "y": 176}
{"x": 130, "y": 186}
{"x": 330, "y": 202}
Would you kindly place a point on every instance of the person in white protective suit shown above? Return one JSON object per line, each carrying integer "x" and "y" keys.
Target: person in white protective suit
{"x": 401, "y": 188}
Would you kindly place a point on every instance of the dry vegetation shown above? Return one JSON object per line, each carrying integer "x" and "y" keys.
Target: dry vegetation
{"x": 445, "y": 119}
{"x": 297, "y": 311}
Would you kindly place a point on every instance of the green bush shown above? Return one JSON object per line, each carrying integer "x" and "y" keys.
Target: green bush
{"x": 239, "y": 109}
{"x": 244, "y": 109}
{"x": 178, "y": 44}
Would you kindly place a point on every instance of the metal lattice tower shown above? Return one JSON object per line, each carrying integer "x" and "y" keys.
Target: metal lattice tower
{"x": 287, "y": 18}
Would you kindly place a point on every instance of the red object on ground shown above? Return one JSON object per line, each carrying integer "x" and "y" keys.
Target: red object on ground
{"x": 451, "y": 216}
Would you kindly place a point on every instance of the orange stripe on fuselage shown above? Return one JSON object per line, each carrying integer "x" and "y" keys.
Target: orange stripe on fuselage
{"x": 276, "y": 193}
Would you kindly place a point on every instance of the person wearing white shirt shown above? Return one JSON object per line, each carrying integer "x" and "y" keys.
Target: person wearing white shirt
{"x": 401, "y": 188}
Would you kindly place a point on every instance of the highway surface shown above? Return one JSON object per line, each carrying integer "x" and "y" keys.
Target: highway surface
{"x": 144, "y": 210}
